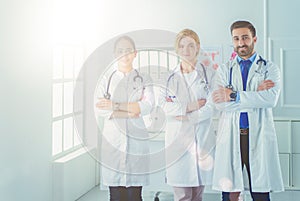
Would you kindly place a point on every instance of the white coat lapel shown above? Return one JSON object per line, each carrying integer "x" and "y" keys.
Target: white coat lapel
{"x": 237, "y": 81}
{"x": 252, "y": 70}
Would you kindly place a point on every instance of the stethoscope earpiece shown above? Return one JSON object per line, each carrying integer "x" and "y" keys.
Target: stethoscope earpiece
{"x": 261, "y": 60}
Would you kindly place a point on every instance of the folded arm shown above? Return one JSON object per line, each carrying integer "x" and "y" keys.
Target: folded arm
{"x": 265, "y": 96}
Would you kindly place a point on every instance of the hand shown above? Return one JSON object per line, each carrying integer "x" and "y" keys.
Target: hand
{"x": 169, "y": 99}
{"x": 104, "y": 104}
{"x": 221, "y": 95}
{"x": 234, "y": 196}
{"x": 181, "y": 118}
{"x": 132, "y": 115}
{"x": 265, "y": 85}
{"x": 201, "y": 103}
{"x": 196, "y": 105}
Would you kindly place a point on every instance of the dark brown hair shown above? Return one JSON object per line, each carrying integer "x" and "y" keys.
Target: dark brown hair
{"x": 130, "y": 40}
{"x": 243, "y": 24}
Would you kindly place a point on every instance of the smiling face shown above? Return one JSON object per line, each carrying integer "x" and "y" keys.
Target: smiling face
{"x": 187, "y": 46}
{"x": 188, "y": 49}
{"x": 125, "y": 53}
{"x": 243, "y": 42}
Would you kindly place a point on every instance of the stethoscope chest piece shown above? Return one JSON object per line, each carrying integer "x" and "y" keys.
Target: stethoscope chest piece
{"x": 107, "y": 96}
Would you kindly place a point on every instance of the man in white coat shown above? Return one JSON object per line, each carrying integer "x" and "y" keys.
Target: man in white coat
{"x": 246, "y": 140}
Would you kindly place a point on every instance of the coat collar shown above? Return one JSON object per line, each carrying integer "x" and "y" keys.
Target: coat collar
{"x": 198, "y": 66}
{"x": 236, "y": 68}
{"x": 254, "y": 68}
{"x": 252, "y": 58}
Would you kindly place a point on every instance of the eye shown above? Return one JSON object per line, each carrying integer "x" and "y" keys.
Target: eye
{"x": 245, "y": 37}
{"x": 235, "y": 39}
{"x": 128, "y": 50}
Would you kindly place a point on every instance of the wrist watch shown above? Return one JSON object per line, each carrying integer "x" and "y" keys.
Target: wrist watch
{"x": 233, "y": 95}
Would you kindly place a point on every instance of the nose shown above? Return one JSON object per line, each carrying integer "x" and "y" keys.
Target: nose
{"x": 185, "y": 50}
{"x": 241, "y": 42}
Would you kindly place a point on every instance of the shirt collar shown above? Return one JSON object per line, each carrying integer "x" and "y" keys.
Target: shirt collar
{"x": 252, "y": 58}
{"x": 121, "y": 74}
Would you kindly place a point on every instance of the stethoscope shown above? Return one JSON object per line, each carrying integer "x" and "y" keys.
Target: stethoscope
{"x": 260, "y": 71}
{"x": 107, "y": 95}
{"x": 206, "y": 87}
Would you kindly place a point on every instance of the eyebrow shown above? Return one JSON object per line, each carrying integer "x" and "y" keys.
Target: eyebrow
{"x": 191, "y": 43}
{"x": 241, "y": 36}
{"x": 126, "y": 48}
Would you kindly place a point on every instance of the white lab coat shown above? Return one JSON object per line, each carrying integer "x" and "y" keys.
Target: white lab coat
{"x": 124, "y": 151}
{"x": 189, "y": 144}
{"x": 263, "y": 148}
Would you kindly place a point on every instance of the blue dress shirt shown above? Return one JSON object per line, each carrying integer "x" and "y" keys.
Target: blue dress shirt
{"x": 245, "y": 65}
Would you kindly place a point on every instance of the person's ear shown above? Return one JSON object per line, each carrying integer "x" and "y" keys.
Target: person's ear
{"x": 254, "y": 39}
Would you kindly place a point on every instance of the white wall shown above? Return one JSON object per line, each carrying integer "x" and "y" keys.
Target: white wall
{"x": 211, "y": 19}
{"x": 25, "y": 103}
{"x": 284, "y": 42}
{"x": 101, "y": 20}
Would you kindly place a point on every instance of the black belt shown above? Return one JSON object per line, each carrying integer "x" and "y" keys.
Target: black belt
{"x": 244, "y": 131}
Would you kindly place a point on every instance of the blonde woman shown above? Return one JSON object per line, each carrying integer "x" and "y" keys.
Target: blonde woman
{"x": 189, "y": 138}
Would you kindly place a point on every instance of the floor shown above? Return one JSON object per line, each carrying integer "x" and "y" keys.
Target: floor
{"x": 98, "y": 195}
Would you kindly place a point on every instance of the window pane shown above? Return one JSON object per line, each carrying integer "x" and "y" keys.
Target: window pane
{"x": 153, "y": 67}
{"x": 68, "y": 97}
{"x": 56, "y": 137}
{"x": 144, "y": 60}
{"x": 57, "y": 100}
{"x": 135, "y": 63}
{"x": 153, "y": 58}
{"x": 78, "y": 61}
{"x": 77, "y": 130}
{"x": 68, "y": 133}
{"x": 68, "y": 63}
{"x": 173, "y": 60}
{"x": 78, "y": 96}
{"x": 57, "y": 62}
{"x": 163, "y": 60}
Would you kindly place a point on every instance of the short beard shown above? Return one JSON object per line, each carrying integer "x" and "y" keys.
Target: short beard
{"x": 246, "y": 53}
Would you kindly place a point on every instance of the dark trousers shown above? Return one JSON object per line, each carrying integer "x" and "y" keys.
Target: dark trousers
{"x": 121, "y": 193}
{"x": 244, "y": 147}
